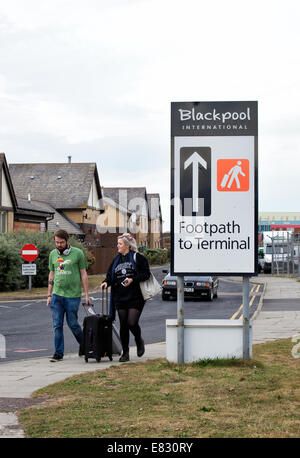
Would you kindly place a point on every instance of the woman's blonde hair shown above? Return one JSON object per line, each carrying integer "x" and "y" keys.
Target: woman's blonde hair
{"x": 129, "y": 240}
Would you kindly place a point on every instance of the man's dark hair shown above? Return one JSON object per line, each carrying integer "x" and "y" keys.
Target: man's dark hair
{"x": 62, "y": 234}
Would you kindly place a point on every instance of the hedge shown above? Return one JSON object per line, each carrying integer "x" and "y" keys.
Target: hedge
{"x": 157, "y": 256}
{"x": 11, "y": 261}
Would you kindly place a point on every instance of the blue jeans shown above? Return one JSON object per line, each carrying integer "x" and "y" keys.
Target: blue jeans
{"x": 59, "y": 307}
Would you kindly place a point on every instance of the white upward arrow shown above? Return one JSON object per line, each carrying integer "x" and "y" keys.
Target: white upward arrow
{"x": 195, "y": 159}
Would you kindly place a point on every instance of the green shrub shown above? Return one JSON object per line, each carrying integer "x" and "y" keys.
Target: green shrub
{"x": 10, "y": 265}
{"x": 157, "y": 256}
{"x": 11, "y": 261}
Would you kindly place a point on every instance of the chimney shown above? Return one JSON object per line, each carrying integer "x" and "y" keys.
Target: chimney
{"x": 69, "y": 159}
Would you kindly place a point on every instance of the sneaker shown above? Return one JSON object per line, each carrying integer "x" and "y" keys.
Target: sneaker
{"x": 124, "y": 357}
{"x": 56, "y": 357}
{"x": 140, "y": 348}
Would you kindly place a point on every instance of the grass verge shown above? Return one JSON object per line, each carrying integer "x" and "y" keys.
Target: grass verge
{"x": 211, "y": 398}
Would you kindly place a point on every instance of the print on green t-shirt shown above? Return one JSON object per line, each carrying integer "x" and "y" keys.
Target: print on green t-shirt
{"x": 66, "y": 268}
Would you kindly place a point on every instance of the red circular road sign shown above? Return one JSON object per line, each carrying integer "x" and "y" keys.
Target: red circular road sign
{"x": 29, "y": 252}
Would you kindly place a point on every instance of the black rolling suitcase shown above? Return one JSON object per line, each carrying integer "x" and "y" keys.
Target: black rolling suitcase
{"x": 97, "y": 334}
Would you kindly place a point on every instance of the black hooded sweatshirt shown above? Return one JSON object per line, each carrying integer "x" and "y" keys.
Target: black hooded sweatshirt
{"x": 124, "y": 267}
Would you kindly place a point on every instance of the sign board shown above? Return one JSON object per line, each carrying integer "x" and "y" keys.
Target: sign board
{"x": 28, "y": 269}
{"x": 29, "y": 252}
{"x": 214, "y": 170}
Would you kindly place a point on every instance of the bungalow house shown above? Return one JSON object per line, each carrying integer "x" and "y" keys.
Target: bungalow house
{"x": 134, "y": 202}
{"x": 8, "y": 201}
{"x": 31, "y": 215}
{"x": 71, "y": 190}
{"x": 18, "y": 213}
{"x": 28, "y": 209}
{"x": 115, "y": 219}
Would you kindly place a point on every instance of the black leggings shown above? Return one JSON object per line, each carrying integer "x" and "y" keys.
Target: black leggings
{"x": 129, "y": 321}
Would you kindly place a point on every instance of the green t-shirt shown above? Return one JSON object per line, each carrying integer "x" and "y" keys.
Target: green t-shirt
{"x": 66, "y": 268}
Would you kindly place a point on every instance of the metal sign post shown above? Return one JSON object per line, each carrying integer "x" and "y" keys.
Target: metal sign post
{"x": 29, "y": 253}
{"x": 180, "y": 320}
{"x": 246, "y": 318}
{"x": 29, "y": 283}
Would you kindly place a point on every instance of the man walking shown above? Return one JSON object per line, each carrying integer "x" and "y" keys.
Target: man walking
{"x": 67, "y": 266}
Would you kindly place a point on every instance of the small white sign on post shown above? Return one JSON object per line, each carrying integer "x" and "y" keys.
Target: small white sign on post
{"x": 28, "y": 269}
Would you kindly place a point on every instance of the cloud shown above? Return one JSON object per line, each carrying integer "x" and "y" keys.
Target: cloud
{"x": 95, "y": 80}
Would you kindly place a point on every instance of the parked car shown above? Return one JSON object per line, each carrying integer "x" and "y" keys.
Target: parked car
{"x": 195, "y": 287}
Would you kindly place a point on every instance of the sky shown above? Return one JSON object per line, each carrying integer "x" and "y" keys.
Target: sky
{"x": 95, "y": 80}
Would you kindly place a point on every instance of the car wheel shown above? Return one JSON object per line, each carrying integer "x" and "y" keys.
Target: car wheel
{"x": 165, "y": 298}
{"x": 216, "y": 293}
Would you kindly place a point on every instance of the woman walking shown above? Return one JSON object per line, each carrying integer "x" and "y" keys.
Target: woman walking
{"x": 125, "y": 273}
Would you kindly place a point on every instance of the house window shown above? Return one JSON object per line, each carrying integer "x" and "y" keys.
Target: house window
{"x": 2, "y": 221}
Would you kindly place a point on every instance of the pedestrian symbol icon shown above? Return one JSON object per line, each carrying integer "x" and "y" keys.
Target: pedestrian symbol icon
{"x": 233, "y": 175}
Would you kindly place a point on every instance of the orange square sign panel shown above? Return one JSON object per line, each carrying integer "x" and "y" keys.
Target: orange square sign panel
{"x": 233, "y": 175}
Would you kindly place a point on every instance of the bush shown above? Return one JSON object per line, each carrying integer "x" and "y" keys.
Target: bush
{"x": 157, "y": 256}
{"x": 10, "y": 265}
{"x": 11, "y": 261}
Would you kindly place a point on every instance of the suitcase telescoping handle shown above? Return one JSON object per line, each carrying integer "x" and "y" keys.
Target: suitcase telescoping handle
{"x": 89, "y": 308}
{"x": 105, "y": 294}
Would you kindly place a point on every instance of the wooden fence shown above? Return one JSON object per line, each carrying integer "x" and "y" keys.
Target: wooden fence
{"x": 104, "y": 257}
